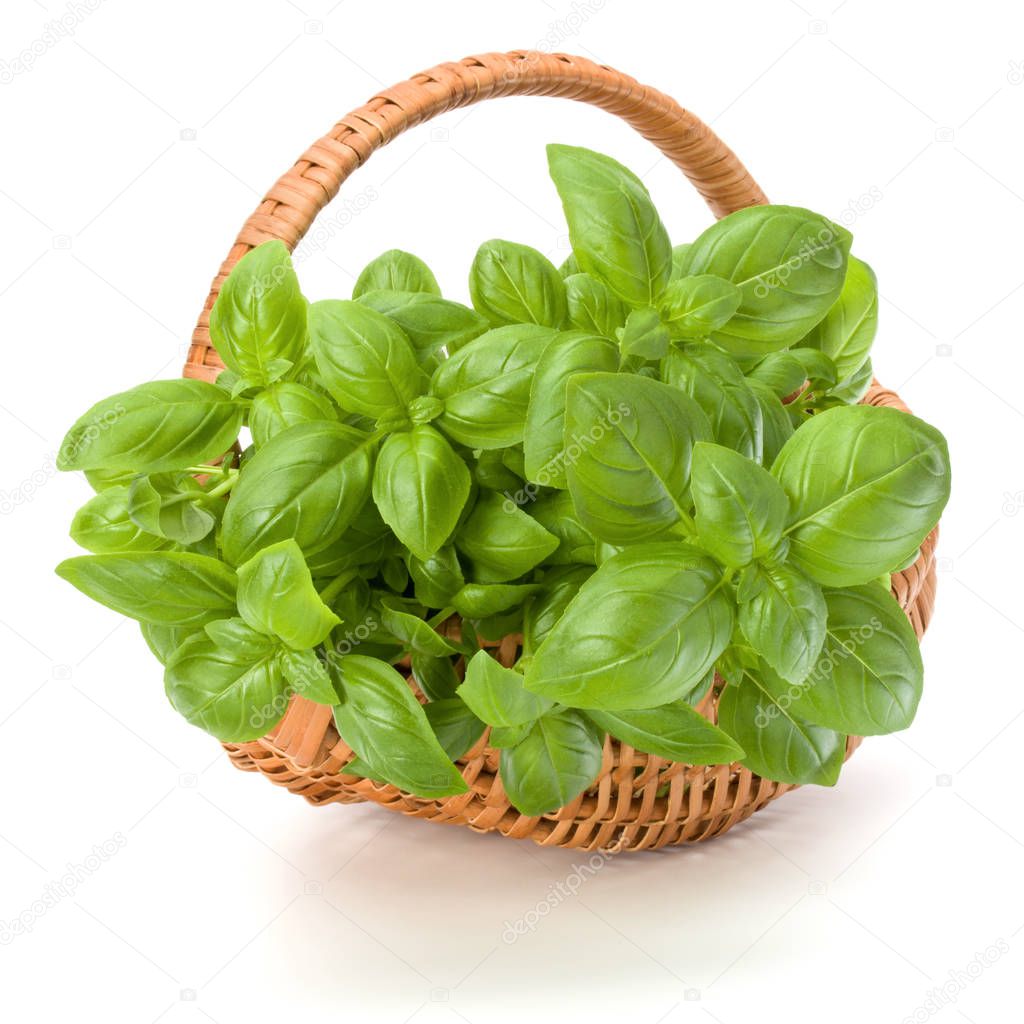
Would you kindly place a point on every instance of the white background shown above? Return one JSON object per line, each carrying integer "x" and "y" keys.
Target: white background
{"x": 133, "y": 150}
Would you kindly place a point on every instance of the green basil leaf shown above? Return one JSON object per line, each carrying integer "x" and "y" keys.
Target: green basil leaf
{"x": 557, "y": 514}
{"x": 308, "y": 675}
{"x": 365, "y": 541}
{"x": 234, "y": 696}
{"x": 436, "y": 579}
{"x": 172, "y": 588}
{"x": 593, "y": 306}
{"x": 501, "y": 541}
{"x": 557, "y": 759}
{"x": 397, "y": 271}
{"x": 363, "y": 358}
{"x": 480, "y": 600}
{"x": 676, "y": 731}
{"x": 429, "y": 321}
{"x": 777, "y": 427}
{"x": 155, "y": 427}
{"x": 628, "y": 443}
{"x": 679, "y": 259}
{"x": 644, "y": 335}
{"x": 781, "y": 372}
{"x": 615, "y": 231}
{"x": 851, "y": 390}
{"x": 163, "y": 641}
{"x": 258, "y": 323}
{"x": 436, "y": 677}
{"x": 819, "y": 368}
{"x": 789, "y": 264}
{"x": 237, "y": 635}
{"x": 102, "y": 525}
{"x": 869, "y": 677}
{"x": 170, "y": 505}
{"x": 716, "y": 384}
{"x": 866, "y": 485}
{"x": 104, "y": 479}
{"x": 413, "y": 633}
{"x": 514, "y": 284}
{"x": 643, "y": 629}
{"x": 504, "y": 736}
{"x": 456, "y": 727}
{"x": 386, "y": 726}
{"x": 492, "y": 472}
{"x": 276, "y": 596}
{"x": 695, "y": 307}
{"x": 284, "y": 404}
{"x": 741, "y": 509}
{"x": 569, "y": 267}
{"x": 485, "y": 386}
{"x": 545, "y": 608}
{"x": 544, "y": 438}
{"x": 420, "y": 487}
{"x": 496, "y": 694}
{"x": 849, "y": 327}
{"x": 777, "y": 744}
{"x": 305, "y": 484}
{"x": 784, "y": 620}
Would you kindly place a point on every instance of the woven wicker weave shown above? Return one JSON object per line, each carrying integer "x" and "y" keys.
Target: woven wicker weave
{"x": 637, "y": 801}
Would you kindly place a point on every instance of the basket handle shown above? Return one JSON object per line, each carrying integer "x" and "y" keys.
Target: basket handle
{"x": 291, "y": 206}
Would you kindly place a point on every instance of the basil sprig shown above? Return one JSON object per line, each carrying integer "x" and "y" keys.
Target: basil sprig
{"x": 647, "y": 463}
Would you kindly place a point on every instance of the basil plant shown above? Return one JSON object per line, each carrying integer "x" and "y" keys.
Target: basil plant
{"x": 648, "y": 465}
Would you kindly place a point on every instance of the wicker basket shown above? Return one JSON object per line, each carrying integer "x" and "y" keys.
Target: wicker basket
{"x": 637, "y": 801}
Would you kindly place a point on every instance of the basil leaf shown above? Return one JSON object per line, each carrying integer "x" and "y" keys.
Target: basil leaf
{"x": 644, "y": 335}
{"x": 557, "y": 514}
{"x": 398, "y": 271}
{"x": 456, "y": 727}
{"x": 514, "y": 284}
{"x": 386, "y": 726}
{"x": 276, "y": 596}
{"x": 545, "y": 608}
{"x": 557, "y": 759}
{"x": 413, "y": 633}
{"x": 593, "y": 306}
{"x": 784, "y": 620}
{"x": 615, "y": 231}
{"x": 233, "y": 695}
{"x": 309, "y": 675}
{"x": 485, "y": 386}
{"x": 869, "y": 677}
{"x": 818, "y": 367}
{"x": 777, "y": 744}
{"x": 436, "y": 579}
{"x": 675, "y": 731}
{"x": 694, "y": 307}
{"x": 789, "y": 264}
{"x": 171, "y": 588}
{"x": 480, "y": 600}
{"x": 258, "y": 323}
{"x": 420, "y": 487}
{"x": 849, "y": 327}
{"x": 853, "y": 388}
{"x": 104, "y": 479}
{"x": 741, "y": 509}
{"x": 866, "y": 485}
{"x": 429, "y": 321}
{"x": 170, "y": 506}
{"x": 237, "y": 634}
{"x": 365, "y": 541}
{"x": 716, "y": 384}
{"x": 781, "y": 372}
{"x": 162, "y": 640}
{"x": 155, "y": 427}
{"x": 504, "y": 736}
{"x": 305, "y": 484}
{"x": 364, "y": 360}
{"x": 284, "y": 404}
{"x": 643, "y": 629}
{"x": 102, "y": 525}
{"x": 777, "y": 427}
{"x": 436, "y": 677}
{"x": 496, "y": 694}
{"x": 544, "y": 437}
{"x": 501, "y": 541}
{"x": 628, "y": 443}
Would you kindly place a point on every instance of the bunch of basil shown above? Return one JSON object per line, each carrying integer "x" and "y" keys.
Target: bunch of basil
{"x": 598, "y": 458}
